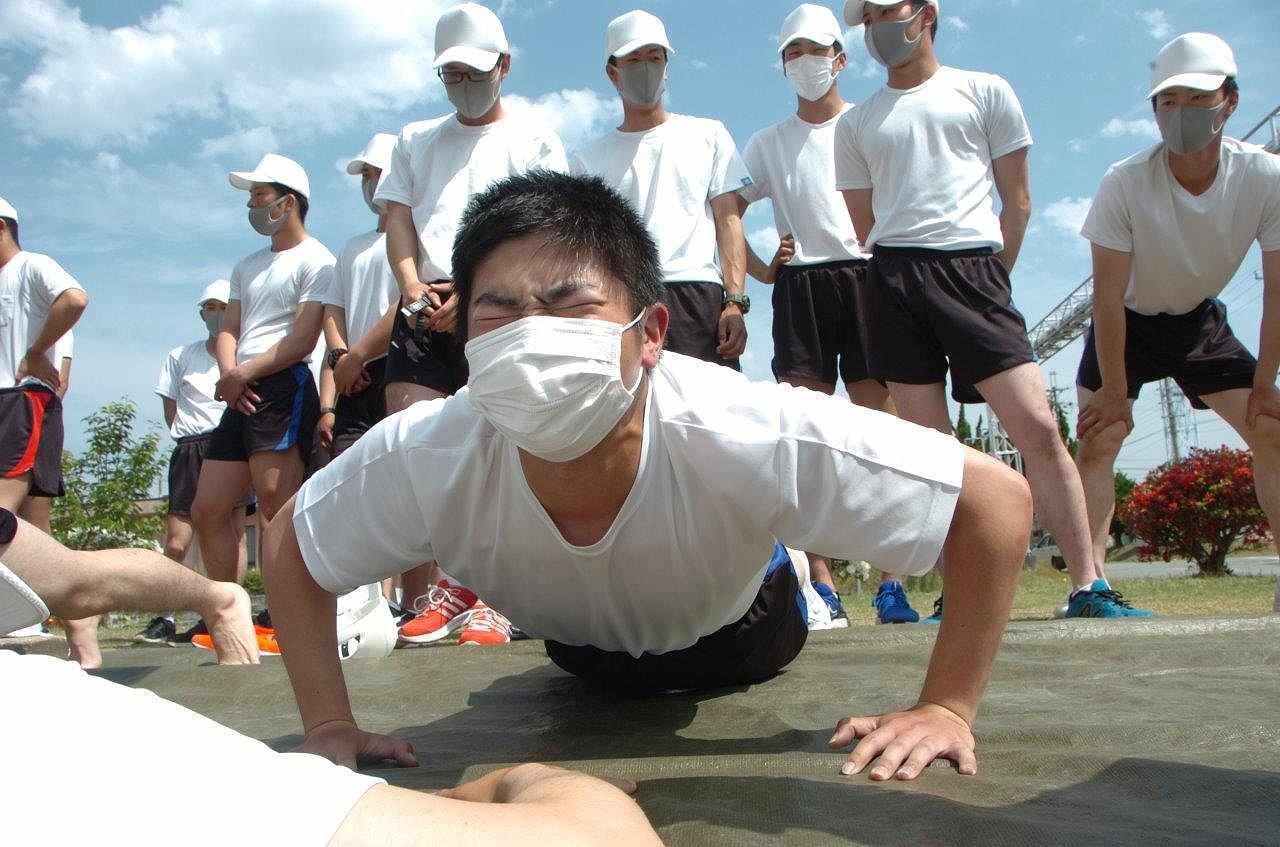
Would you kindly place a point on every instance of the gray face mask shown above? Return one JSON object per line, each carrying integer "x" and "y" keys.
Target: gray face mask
{"x": 887, "y": 41}
{"x": 642, "y": 83}
{"x": 1189, "y": 129}
{"x": 367, "y": 188}
{"x": 474, "y": 99}
{"x": 214, "y": 323}
{"x": 262, "y": 222}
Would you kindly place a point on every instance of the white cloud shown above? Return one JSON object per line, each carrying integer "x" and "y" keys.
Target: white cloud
{"x": 698, "y": 64}
{"x": 1140, "y": 127}
{"x": 242, "y": 148}
{"x": 1157, "y": 23}
{"x": 297, "y": 68}
{"x": 1077, "y": 145}
{"x": 764, "y": 241}
{"x": 1068, "y": 214}
{"x": 860, "y": 63}
{"x": 958, "y": 23}
{"x": 576, "y": 114}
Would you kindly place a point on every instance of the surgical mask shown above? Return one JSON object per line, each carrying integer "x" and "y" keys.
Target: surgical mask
{"x": 551, "y": 385}
{"x": 887, "y": 41}
{"x": 811, "y": 76}
{"x": 474, "y": 98}
{"x": 367, "y": 188}
{"x": 642, "y": 83}
{"x": 213, "y": 322}
{"x": 260, "y": 218}
{"x": 1190, "y": 129}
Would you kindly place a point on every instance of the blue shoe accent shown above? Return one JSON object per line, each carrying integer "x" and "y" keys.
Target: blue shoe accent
{"x": 1102, "y": 601}
{"x": 892, "y": 606}
{"x": 832, "y": 600}
{"x": 936, "y": 617}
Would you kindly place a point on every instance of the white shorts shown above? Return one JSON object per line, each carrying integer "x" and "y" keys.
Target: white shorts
{"x": 149, "y": 770}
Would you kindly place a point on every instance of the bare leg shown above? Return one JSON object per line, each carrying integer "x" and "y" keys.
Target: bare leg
{"x": 178, "y": 537}
{"x": 221, "y": 488}
{"x": 1264, "y": 441}
{"x": 82, "y": 635}
{"x": 1096, "y": 461}
{"x": 37, "y": 511}
{"x": 1017, "y": 396}
{"x": 14, "y": 491}
{"x": 417, "y": 582}
{"x": 76, "y": 584}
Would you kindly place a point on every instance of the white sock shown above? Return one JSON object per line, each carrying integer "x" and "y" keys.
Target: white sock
{"x": 169, "y": 617}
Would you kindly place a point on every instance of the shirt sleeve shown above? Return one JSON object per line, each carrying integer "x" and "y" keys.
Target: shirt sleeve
{"x": 170, "y": 375}
{"x": 340, "y": 290}
{"x": 728, "y": 171}
{"x": 396, "y": 184}
{"x": 64, "y": 347}
{"x": 1007, "y": 129}
{"x": 51, "y": 280}
{"x": 1109, "y": 222}
{"x": 551, "y": 155}
{"x": 753, "y": 158}
{"x": 1269, "y": 226}
{"x": 852, "y": 170}
{"x": 357, "y": 520}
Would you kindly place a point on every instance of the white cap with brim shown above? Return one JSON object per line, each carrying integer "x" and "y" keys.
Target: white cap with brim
{"x": 471, "y": 35}
{"x": 219, "y": 289}
{"x": 377, "y": 153}
{"x": 809, "y": 21}
{"x": 7, "y": 210}
{"x": 1197, "y": 60}
{"x": 273, "y": 168}
{"x": 628, "y": 33}
{"x": 20, "y": 606}
{"x": 853, "y": 9}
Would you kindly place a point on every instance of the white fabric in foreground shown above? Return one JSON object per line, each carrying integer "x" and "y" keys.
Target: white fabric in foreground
{"x": 19, "y": 607}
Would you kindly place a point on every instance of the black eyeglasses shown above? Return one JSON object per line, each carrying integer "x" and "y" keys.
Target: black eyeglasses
{"x": 453, "y": 77}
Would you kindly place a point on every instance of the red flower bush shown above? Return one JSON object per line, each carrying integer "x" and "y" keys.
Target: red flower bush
{"x": 1197, "y": 509}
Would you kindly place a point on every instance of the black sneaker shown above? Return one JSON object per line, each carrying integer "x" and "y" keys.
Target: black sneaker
{"x": 159, "y": 631}
{"x": 401, "y": 614}
{"x": 263, "y": 619}
{"x": 185, "y": 637}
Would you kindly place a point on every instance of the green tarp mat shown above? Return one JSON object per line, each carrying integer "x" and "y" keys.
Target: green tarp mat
{"x": 1154, "y": 732}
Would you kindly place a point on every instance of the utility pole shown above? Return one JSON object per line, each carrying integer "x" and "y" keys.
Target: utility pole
{"x": 1168, "y": 405}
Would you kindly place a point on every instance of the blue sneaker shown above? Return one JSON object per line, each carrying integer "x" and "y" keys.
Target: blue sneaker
{"x": 891, "y": 604}
{"x": 936, "y": 617}
{"x": 1102, "y": 601}
{"x": 839, "y": 619}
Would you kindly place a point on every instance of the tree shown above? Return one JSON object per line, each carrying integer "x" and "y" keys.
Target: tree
{"x": 105, "y": 483}
{"x": 1197, "y": 509}
{"x": 1124, "y": 487}
{"x": 964, "y": 432}
{"x": 979, "y": 441}
{"x": 1064, "y": 425}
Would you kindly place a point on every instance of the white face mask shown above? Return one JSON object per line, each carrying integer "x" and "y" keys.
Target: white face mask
{"x": 811, "y": 76}
{"x": 551, "y": 385}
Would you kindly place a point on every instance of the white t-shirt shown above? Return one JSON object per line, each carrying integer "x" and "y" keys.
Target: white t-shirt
{"x": 1185, "y": 248}
{"x": 64, "y": 348}
{"x": 727, "y": 466}
{"x": 670, "y": 175}
{"x": 363, "y": 284}
{"x": 793, "y": 164}
{"x": 439, "y": 164}
{"x": 270, "y": 286}
{"x": 926, "y": 153}
{"x": 29, "y": 283}
{"x": 189, "y": 377}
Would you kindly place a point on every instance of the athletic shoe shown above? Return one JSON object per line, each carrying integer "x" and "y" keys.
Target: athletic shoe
{"x": 160, "y": 631}
{"x": 400, "y": 614}
{"x": 486, "y": 626}
{"x": 444, "y": 610}
{"x": 187, "y": 636}
{"x": 891, "y": 604}
{"x": 1100, "y": 600}
{"x": 267, "y": 644}
{"x": 936, "y": 617}
{"x": 839, "y": 620}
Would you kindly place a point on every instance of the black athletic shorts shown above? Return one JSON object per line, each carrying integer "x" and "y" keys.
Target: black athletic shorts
{"x": 751, "y": 649}
{"x": 434, "y": 360}
{"x": 694, "y": 329}
{"x": 286, "y": 418}
{"x": 184, "y": 473}
{"x": 356, "y": 413}
{"x": 817, "y": 333}
{"x": 930, "y": 309}
{"x": 1198, "y": 350}
{"x": 31, "y": 437}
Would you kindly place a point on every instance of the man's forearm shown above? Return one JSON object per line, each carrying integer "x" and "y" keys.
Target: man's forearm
{"x": 64, "y": 313}
{"x": 1108, "y": 340}
{"x": 402, "y": 245}
{"x": 732, "y": 245}
{"x": 288, "y": 351}
{"x": 328, "y": 390}
{"x": 1013, "y": 228}
{"x": 224, "y": 351}
{"x": 756, "y": 266}
{"x": 1269, "y": 343}
{"x": 377, "y": 340}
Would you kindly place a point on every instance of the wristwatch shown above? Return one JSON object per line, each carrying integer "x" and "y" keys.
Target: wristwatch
{"x": 328, "y": 410}
{"x": 334, "y": 355}
{"x": 742, "y": 301}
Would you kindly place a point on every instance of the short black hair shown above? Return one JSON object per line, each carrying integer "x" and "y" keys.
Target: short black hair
{"x": 583, "y": 218}
{"x": 1229, "y": 87}
{"x": 12, "y": 225}
{"x": 303, "y": 205}
{"x": 613, "y": 60}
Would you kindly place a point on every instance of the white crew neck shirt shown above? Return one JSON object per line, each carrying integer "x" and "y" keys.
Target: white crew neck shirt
{"x": 670, "y": 174}
{"x": 364, "y": 286}
{"x": 437, "y": 166}
{"x": 270, "y": 287}
{"x": 1185, "y": 248}
{"x": 727, "y": 466}
{"x": 189, "y": 377}
{"x": 793, "y": 164}
{"x": 926, "y": 153}
{"x": 29, "y": 283}
{"x": 64, "y": 348}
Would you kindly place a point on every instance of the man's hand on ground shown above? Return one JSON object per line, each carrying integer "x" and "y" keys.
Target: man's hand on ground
{"x": 346, "y": 744}
{"x": 733, "y": 332}
{"x": 906, "y": 742}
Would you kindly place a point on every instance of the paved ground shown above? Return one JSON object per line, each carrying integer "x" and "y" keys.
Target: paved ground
{"x": 1241, "y": 565}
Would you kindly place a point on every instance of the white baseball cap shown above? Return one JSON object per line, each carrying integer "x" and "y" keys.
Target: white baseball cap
{"x": 377, "y": 153}
{"x": 219, "y": 289}
{"x": 273, "y": 168}
{"x": 471, "y": 34}
{"x": 7, "y": 210}
{"x": 816, "y": 23}
{"x": 628, "y": 33}
{"x": 1196, "y": 60}
{"x": 853, "y": 9}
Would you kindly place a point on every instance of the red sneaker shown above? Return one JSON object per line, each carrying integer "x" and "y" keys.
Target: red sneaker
{"x": 486, "y": 627}
{"x": 267, "y": 644}
{"x": 446, "y": 609}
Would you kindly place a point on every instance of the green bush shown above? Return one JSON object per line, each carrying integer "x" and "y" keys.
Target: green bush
{"x": 253, "y": 582}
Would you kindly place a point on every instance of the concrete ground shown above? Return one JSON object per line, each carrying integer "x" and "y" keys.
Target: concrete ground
{"x": 1240, "y": 565}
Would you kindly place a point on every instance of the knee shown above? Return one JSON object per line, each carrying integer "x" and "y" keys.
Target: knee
{"x": 1103, "y": 447}
{"x": 1264, "y": 439}
{"x": 207, "y": 515}
{"x": 1043, "y": 438}
{"x": 175, "y": 551}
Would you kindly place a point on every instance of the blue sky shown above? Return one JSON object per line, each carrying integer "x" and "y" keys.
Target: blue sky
{"x": 121, "y": 120}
